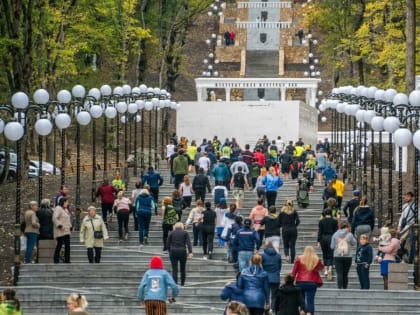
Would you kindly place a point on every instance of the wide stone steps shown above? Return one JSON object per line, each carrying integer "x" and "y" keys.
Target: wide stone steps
{"x": 111, "y": 286}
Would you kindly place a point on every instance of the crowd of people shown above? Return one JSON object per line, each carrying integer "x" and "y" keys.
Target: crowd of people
{"x": 253, "y": 242}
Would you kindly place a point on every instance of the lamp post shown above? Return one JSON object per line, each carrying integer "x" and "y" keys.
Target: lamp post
{"x": 43, "y": 127}
{"x": 14, "y": 131}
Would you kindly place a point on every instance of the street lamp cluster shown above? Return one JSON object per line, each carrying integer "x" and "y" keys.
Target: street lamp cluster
{"x": 312, "y": 61}
{"x": 210, "y": 61}
{"x": 123, "y": 104}
{"x": 361, "y": 118}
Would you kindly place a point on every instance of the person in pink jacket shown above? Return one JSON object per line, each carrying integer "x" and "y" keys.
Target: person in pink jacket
{"x": 257, "y": 214}
{"x": 390, "y": 251}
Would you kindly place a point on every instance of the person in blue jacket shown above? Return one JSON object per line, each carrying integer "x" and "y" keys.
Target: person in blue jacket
{"x": 245, "y": 242}
{"x": 328, "y": 173}
{"x": 152, "y": 292}
{"x": 154, "y": 180}
{"x": 272, "y": 184}
{"x": 256, "y": 289}
{"x": 231, "y": 292}
{"x": 271, "y": 263}
{"x": 221, "y": 174}
{"x": 145, "y": 205}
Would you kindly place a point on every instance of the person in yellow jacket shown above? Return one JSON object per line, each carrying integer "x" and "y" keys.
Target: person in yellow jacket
{"x": 339, "y": 187}
{"x": 9, "y": 303}
{"x": 191, "y": 152}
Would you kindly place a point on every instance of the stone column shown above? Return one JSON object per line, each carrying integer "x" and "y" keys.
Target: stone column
{"x": 227, "y": 90}
{"x": 283, "y": 94}
{"x": 199, "y": 94}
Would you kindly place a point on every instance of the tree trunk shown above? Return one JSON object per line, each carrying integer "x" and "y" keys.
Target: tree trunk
{"x": 410, "y": 65}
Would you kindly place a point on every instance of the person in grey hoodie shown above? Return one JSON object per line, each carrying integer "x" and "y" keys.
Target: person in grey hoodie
{"x": 341, "y": 243}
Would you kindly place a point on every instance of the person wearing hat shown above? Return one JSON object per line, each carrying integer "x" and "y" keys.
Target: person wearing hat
{"x": 246, "y": 242}
{"x": 154, "y": 180}
{"x": 153, "y": 289}
{"x": 351, "y": 205}
{"x": 31, "y": 229}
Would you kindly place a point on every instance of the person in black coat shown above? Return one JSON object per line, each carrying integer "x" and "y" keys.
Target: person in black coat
{"x": 289, "y": 298}
{"x": 207, "y": 229}
{"x": 351, "y": 205}
{"x": 199, "y": 185}
{"x": 178, "y": 243}
{"x": 326, "y": 228}
{"x": 45, "y": 217}
{"x": 288, "y": 221}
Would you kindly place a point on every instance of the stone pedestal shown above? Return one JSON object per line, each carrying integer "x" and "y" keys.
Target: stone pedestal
{"x": 46, "y": 251}
{"x": 398, "y": 277}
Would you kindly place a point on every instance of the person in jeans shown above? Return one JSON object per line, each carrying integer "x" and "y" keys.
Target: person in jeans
{"x": 123, "y": 213}
{"x": 364, "y": 258}
{"x": 31, "y": 229}
{"x": 289, "y": 221}
{"x": 179, "y": 168}
{"x": 341, "y": 243}
{"x": 178, "y": 243}
{"x": 245, "y": 242}
{"x": 62, "y": 229}
{"x": 306, "y": 271}
{"x": 208, "y": 228}
{"x": 145, "y": 204}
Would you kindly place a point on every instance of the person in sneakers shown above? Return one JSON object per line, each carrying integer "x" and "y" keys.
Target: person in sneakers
{"x": 271, "y": 263}
{"x": 257, "y": 214}
{"x": 154, "y": 180}
{"x": 239, "y": 183}
{"x": 91, "y": 224}
{"x": 272, "y": 228}
{"x": 145, "y": 205}
{"x": 364, "y": 258}
{"x": 123, "y": 213}
{"x": 246, "y": 240}
{"x": 289, "y": 221}
{"x": 326, "y": 229}
{"x": 221, "y": 211}
{"x": 272, "y": 184}
{"x": 178, "y": 244}
{"x": 152, "y": 292}
{"x": 186, "y": 192}
{"x": 196, "y": 218}
{"x": 390, "y": 251}
{"x": 107, "y": 193}
{"x": 31, "y": 229}
{"x": 341, "y": 243}
{"x": 207, "y": 229}
{"x": 200, "y": 184}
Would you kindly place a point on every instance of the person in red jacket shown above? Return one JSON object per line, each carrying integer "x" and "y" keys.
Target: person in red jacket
{"x": 259, "y": 156}
{"x": 306, "y": 271}
{"x": 107, "y": 193}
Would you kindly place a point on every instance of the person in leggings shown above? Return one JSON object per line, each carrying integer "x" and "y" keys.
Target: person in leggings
{"x": 208, "y": 228}
{"x": 288, "y": 221}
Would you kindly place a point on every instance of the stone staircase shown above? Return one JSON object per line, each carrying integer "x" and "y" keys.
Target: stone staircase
{"x": 111, "y": 286}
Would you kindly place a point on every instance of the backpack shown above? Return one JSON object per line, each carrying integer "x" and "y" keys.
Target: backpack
{"x": 343, "y": 246}
{"x": 170, "y": 215}
{"x": 239, "y": 180}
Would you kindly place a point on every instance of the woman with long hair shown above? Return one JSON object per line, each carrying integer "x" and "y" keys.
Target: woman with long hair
{"x": 76, "y": 304}
{"x": 9, "y": 303}
{"x": 62, "y": 229}
{"x": 255, "y": 285}
{"x": 186, "y": 192}
{"x": 306, "y": 271}
{"x": 122, "y": 204}
{"x": 363, "y": 219}
{"x": 288, "y": 221}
